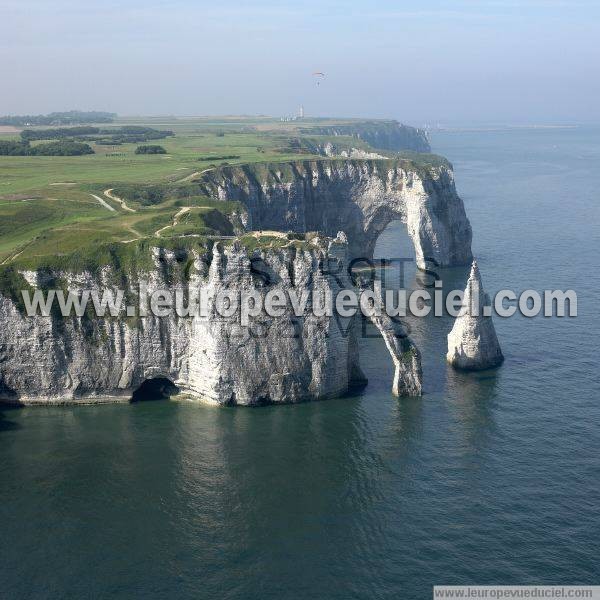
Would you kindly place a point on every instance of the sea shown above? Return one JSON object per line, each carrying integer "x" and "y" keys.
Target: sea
{"x": 488, "y": 478}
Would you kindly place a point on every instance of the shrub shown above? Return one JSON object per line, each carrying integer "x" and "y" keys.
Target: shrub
{"x": 150, "y": 150}
{"x": 146, "y": 195}
{"x": 224, "y": 157}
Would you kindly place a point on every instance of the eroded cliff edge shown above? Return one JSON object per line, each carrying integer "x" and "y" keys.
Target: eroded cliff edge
{"x": 359, "y": 197}
{"x": 384, "y": 135}
{"x": 47, "y": 359}
{"x": 214, "y": 358}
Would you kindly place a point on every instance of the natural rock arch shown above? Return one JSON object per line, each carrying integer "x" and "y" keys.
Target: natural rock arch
{"x": 359, "y": 197}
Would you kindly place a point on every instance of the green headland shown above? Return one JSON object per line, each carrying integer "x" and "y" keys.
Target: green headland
{"x": 113, "y": 204}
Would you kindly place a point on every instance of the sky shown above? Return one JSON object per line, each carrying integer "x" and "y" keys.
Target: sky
{"x": 502, "y": 61}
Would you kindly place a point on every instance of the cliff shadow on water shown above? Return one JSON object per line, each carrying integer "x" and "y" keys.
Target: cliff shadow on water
{"x": 5, "y": 423}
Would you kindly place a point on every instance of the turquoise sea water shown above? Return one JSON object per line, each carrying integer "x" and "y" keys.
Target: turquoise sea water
{"x": 488, "y": 478}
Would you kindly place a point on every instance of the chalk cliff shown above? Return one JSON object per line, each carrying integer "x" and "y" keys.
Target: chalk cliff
{"x": 53, "y": 359}
{"x": 359, "y": 197}
{"x": 405, "y": 357}
{"x": 385, "y": 135}
{"x": 472, "y": 343}
{"x": 213, "y": 358}
{"x": 334, "y": 151}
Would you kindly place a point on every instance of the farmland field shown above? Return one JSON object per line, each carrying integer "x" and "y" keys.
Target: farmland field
{"x": 60, "y": 206}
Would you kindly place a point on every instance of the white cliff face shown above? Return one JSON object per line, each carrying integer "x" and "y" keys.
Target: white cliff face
{"x": 358, "y": 197}
{"x": 386, "y": 135}
{"x": 472, "y": 343}
{"x": 408, "y": 376}
{"x": 212, "y": 358}
{"x": 45, "y": 359}
{"x": 333, "y": 151}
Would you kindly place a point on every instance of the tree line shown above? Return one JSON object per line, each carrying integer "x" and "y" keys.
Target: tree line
{"x": 113, "y": 136}
{"x": 71, "y": 117}
{"x": 61, "y": 148}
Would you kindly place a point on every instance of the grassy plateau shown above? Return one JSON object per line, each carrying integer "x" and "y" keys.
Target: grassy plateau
{"x": 78, "y": 211}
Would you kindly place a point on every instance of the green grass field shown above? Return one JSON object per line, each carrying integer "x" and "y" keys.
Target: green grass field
{"x": 53, "y": 209}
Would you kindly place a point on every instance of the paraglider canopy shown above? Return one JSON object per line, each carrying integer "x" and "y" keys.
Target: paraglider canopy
{"x": 318, "y": 75}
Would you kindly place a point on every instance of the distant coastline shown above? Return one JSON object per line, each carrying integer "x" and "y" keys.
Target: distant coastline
{"x": 502, "y": 128}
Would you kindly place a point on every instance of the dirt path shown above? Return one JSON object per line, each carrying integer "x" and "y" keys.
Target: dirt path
{"x": 268, "y": 232}
{"x": 104, "y": 203}
{"x": 108, "y": 193}
{"x": 176, "y": 218}
{"x": 194, "y": 174}
{"x": 135, "y": 232}
{"x": 11, "y": 257}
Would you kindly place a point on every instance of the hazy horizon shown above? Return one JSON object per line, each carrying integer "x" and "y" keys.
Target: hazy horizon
{"x": 507, "y": 62}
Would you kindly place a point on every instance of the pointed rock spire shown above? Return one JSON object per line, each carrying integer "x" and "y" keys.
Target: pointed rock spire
{"x": 472, "y": 343}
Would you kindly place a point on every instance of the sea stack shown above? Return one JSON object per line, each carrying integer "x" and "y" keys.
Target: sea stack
{"x": 472, "y": 343}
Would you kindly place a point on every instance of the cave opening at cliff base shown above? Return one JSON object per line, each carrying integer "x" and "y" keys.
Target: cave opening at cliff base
{"x": 155, "y": 388}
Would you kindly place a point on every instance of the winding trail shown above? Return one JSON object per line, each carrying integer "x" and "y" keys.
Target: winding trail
{"x": 194, "y": 174}
{"x": 108, "y": 193}
{"x": 104, "y": 203}
{"x": 176, "y": 218}
{"x": 267, "y": 232}
{"x": 11, "y": 257}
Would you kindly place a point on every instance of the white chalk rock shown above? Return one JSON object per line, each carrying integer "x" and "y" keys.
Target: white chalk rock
{"x": 472, "y": 343}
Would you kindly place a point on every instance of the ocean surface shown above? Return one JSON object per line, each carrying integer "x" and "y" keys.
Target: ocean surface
{"x": 489, "y": 478}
